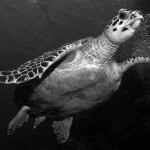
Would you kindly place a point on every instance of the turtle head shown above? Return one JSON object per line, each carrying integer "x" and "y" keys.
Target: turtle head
{"x": 123, "y": 26}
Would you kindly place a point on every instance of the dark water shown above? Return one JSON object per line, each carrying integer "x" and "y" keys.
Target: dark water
{"x": 30, "y": 27}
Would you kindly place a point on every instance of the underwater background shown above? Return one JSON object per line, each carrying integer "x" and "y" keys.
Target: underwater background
{"x": 28, "y": 28}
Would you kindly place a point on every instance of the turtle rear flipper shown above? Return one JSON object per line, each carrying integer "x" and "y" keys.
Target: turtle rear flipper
{"x": 62, "y": 129}
{"x": 18, "y": 121}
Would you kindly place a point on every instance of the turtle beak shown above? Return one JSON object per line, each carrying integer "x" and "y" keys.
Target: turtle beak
{"x": 139, "y": 12}
{"x": 137, "y": 15}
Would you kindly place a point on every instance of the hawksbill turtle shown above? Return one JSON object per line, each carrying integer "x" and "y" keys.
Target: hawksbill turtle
{"x": 73, "y": 78}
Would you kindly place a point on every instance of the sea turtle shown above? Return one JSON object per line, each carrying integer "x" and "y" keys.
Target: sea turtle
{"x": 73, "y": 78}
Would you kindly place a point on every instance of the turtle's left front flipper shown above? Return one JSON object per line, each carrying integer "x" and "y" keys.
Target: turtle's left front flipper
{"x": 62, "y": 129}
{"x": 18, "y": 120}
{"x": 36, "y": 67}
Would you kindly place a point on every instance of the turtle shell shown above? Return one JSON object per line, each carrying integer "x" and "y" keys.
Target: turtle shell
{"x": 74, "y": 85}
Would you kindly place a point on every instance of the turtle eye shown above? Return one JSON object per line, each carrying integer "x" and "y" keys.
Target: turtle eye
{"x": 123, "y": 16}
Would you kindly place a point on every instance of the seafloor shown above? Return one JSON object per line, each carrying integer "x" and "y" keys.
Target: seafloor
{"x": 30, "y": 27}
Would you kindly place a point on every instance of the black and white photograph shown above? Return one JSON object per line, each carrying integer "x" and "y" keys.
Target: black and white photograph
{"x": 74, "y": 74}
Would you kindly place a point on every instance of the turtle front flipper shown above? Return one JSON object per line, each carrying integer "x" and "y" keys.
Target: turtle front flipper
{"x": 38, "y": 121}
{"x": 62, "y": 129}
{"x": 18, "y": 121}
{"x": 36, "y": 67}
